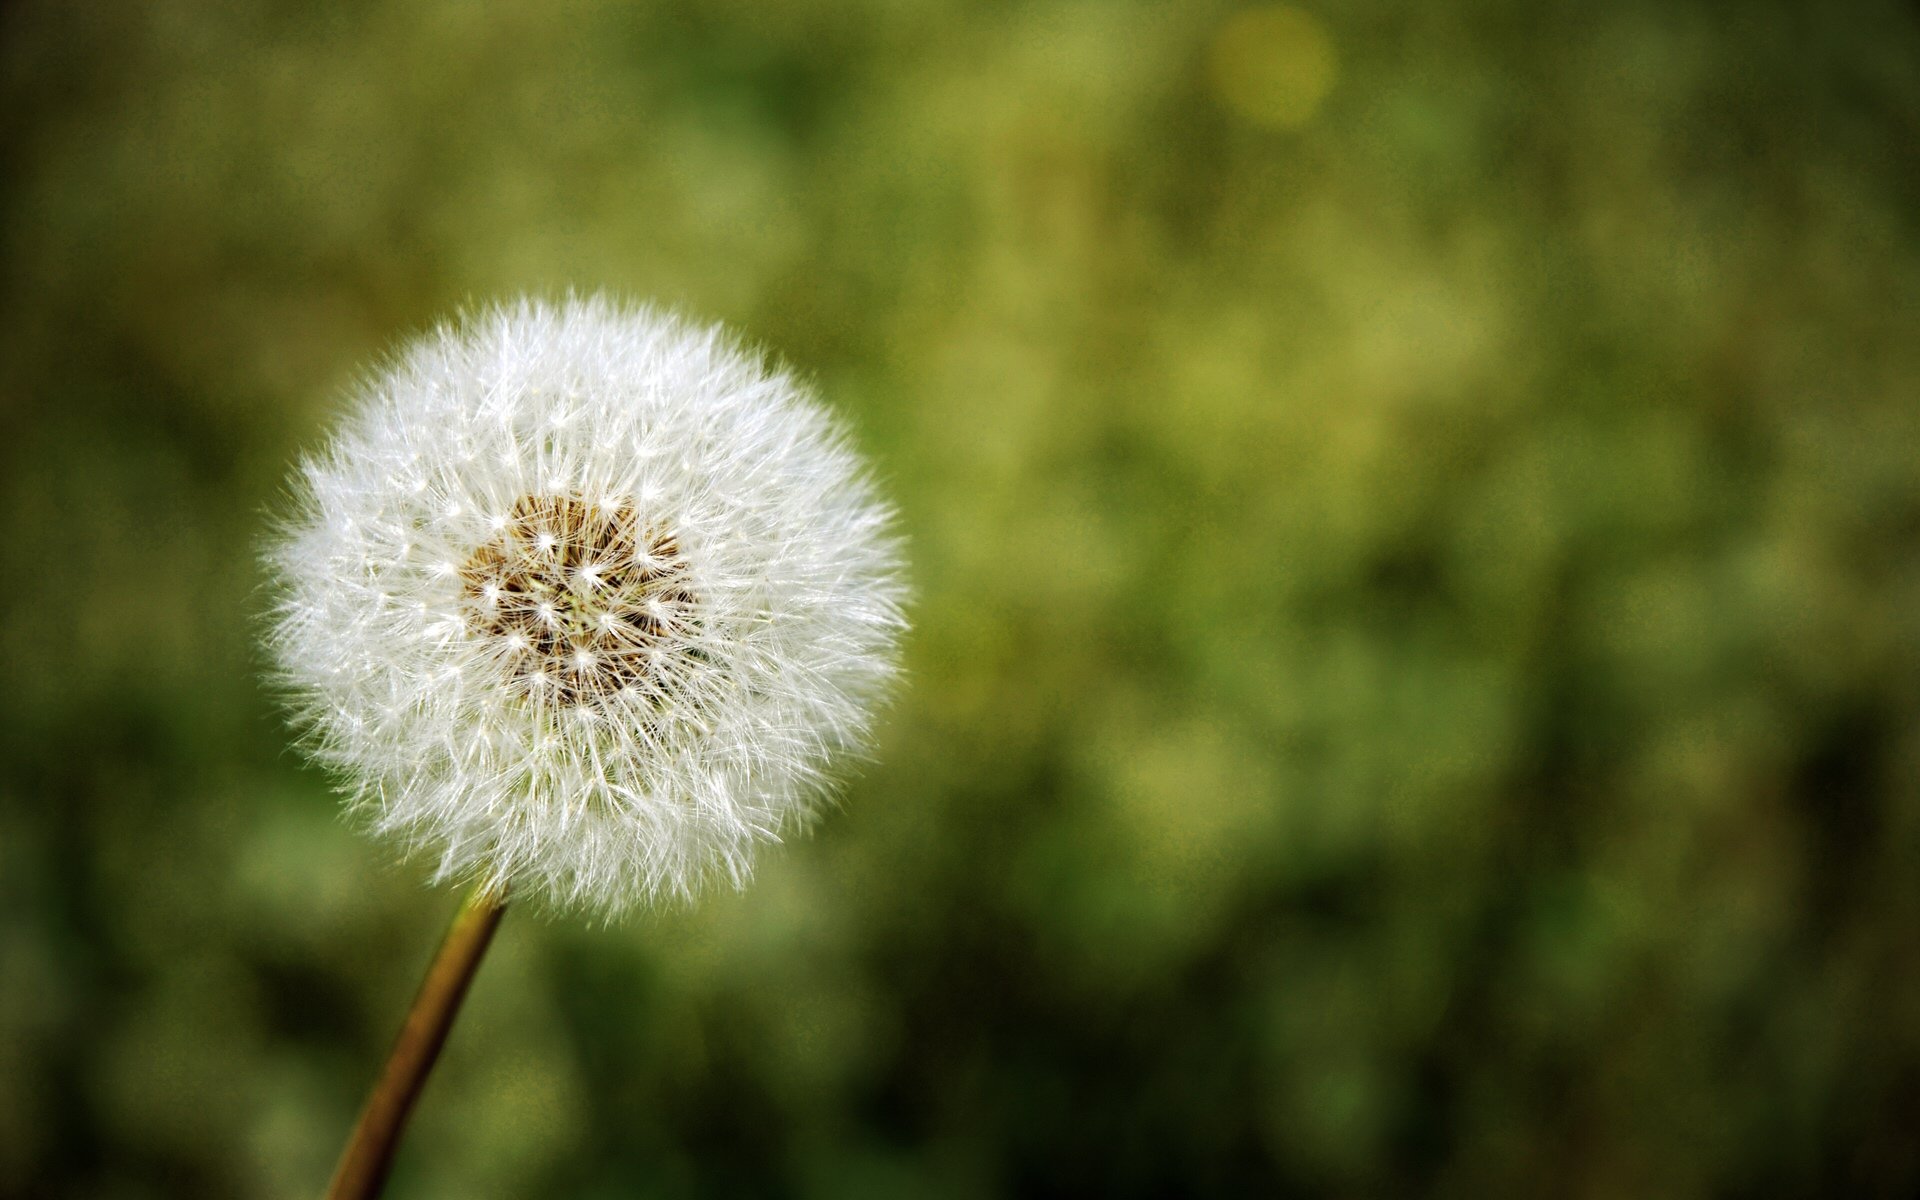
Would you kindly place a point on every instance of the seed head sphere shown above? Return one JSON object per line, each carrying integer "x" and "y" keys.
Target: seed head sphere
{"x": 585, "y": 600}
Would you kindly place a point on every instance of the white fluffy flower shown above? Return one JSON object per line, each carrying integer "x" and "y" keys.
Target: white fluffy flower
{"x": 584, "y": 599}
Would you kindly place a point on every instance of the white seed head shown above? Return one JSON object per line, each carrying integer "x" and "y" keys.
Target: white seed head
{"x": 585, "y": 600}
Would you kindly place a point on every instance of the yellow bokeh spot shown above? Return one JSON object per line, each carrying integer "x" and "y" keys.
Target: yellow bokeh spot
{"x": 1273, "y": 65}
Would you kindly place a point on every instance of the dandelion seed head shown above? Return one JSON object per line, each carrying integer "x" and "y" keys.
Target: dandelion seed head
{"x": 588, "y": 601}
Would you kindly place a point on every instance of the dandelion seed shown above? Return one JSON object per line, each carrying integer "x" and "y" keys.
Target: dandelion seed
{"x": 585, "y": 600}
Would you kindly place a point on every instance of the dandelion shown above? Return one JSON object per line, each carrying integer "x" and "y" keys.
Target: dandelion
{"x": 583, "y": 603}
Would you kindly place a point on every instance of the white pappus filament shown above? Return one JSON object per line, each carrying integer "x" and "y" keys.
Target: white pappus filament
{"x": 586, "y": 600}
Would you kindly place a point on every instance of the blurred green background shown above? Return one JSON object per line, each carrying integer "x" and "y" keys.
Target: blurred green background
{"x": 1415, "y": 513}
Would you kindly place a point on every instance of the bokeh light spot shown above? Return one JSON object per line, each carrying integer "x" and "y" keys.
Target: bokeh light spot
{"x": 1273, "y": 65}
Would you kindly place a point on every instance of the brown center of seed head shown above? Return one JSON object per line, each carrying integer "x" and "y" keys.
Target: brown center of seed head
{"x": 583, "y": 601}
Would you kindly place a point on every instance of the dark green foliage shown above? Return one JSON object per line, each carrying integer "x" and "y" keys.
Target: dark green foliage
{"x": 1416, "y": 675}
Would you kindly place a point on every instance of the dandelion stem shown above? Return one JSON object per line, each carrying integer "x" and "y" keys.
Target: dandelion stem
{"x": 369, "y": 1154}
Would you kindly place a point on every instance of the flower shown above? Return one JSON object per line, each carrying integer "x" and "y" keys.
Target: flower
{"x": 584, "y": 600}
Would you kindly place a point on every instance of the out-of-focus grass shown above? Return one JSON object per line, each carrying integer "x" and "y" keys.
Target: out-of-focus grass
{"x": 1417, "y": 653}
